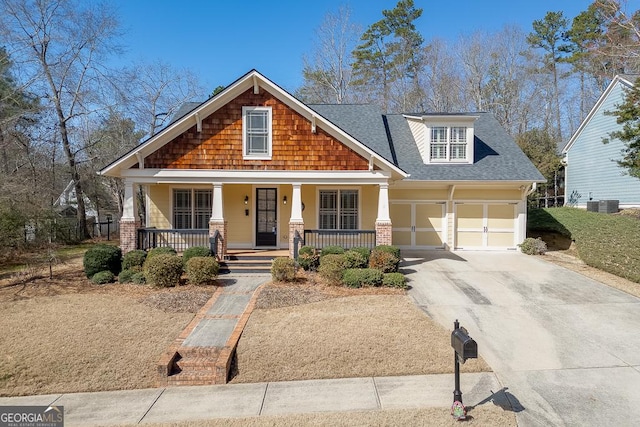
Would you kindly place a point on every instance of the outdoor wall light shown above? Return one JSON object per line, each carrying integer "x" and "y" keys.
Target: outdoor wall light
{"x": 284, "y": 200}
{"x": 246, "y": 200}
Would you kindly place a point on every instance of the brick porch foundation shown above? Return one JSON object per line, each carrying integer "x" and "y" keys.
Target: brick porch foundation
{"x": 221, "y": 226}
{"x": 128, "y": 235}
{"x": 293, "y": 227}
{"x": 383, "y": 233}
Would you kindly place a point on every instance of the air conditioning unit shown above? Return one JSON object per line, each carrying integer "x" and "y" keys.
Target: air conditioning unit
{"x": 593, "y": 206}
{"x": 608, "y": 206}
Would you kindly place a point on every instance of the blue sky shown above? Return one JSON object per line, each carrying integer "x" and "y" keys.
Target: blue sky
{"x": 222, "y": 40}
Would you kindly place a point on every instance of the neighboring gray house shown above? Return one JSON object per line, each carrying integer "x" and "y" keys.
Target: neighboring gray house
{"x": 591, "y": 171}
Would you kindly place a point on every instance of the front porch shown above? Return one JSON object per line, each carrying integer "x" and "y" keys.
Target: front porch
{"x": 181, "y": 240}
{"x": 279, "y": 216}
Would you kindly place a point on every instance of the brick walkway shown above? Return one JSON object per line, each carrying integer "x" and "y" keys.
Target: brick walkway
{"x": 202, "y": 353}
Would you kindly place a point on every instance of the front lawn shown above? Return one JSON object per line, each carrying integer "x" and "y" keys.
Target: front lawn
{"x": 610, "y": 242}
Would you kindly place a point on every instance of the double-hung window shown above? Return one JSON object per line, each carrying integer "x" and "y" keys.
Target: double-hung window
{"x": 256, "y": 132}
{"x": 448, "y": 144}
{"x": 191, "y": 208}
{"x": 338, "y": 210}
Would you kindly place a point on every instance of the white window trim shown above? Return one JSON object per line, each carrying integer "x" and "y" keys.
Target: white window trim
{"x": 245, "y": 154}
{"x": 193, "y": 189}
{"x": 448, "y": 160}
{"x": 338, "y": 188}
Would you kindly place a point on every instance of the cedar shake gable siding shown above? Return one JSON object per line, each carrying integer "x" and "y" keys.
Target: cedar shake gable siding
{"x": 219, "y": 145}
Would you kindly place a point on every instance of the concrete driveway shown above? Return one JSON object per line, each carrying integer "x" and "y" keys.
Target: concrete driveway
{"x": 567, "y": 348}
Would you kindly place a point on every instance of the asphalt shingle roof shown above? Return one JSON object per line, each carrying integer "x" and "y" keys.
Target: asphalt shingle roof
{"x": 497, "y": 156}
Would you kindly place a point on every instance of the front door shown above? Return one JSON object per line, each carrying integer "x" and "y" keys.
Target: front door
{"x": 266, "y": 216}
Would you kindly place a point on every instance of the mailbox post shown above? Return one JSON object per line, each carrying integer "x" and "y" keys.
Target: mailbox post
{"x": 464, "y": 348}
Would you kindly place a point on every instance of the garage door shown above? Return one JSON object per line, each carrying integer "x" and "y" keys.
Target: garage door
{"x": 485, "y": 225}
{"x": 418, "y": 225}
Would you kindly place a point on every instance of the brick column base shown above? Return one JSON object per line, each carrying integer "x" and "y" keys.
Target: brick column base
{"x": 221, "y": 226}
{"x": 383, "y": 233}
{"x": 293, "y": 227}
{"x": 128, "y": 235}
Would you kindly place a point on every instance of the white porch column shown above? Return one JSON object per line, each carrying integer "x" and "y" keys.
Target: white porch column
{"x": 296, "y": 203}
{"x": 384, "y": 228}
{"x": 129, "y": 222}
{"x": 217, "y": 222}
{"x": 383, "y": 204}
{"x": 129, "y": 206}
{"x": 296, "y": 223}
{"x": 216, "y": 208}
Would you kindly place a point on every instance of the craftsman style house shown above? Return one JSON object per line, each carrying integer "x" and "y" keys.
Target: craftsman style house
{"x": 254, "y": 167}
{"x": 591, "y": 170}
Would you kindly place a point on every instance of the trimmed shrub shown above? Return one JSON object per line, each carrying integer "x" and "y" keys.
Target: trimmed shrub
{"x": 332, "y": 250}
{"x": 125, "y": 276}
{"x": 364, "y": 251}
{"x": 331, "y": 268}
{"x": 532, "y": 246}
{"x": 202, "y": 270}
{"x": 161, "y": 250}
{"x": 283, "y": 269}
{"x": 103, "y": 277}
{"x": 102, "y": 257}
{"x": 163, "y": 270}
{"x": 308, "y": 258}
{"x": 354, "y": 259}
{"x": 394, "y": 250}
{"x": 133, "y": 259}
{"x": 138, "y": 278}
{"x": 195, "y": 251}
{"x": 358, "y": 277}
{"x": 386, "y": 262}
{"x": 394, "y": 280}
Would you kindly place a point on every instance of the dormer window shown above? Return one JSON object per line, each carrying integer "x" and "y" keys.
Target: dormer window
{"x": 256, "y": 133}
{"x": 443, "y": 138}
{"x": 448, "y": 144}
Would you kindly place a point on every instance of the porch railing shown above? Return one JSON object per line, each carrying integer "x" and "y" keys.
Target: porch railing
{"x": 180, "y": 240}
{"x": 345, "y": 238}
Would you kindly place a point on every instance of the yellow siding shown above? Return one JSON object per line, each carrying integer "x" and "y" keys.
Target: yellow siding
{"x": 285, "y": 214}
{"x": 405, "y": 194}
{"x": 240, "y": 226}
{"x": 487, "y": 194}
{"x": 159, "y": 207}
{"x": 309, "y": 215}
{"x": 368, "y": 206}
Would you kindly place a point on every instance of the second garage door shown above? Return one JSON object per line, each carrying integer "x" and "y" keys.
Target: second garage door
{"x": 418, "y": 224}
{"x": 485, "y": 225}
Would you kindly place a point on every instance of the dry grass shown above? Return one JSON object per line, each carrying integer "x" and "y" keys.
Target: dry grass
{"x": 69, "y": 335}
{"x": 341, "y": 337}
{"x": 486, "y": 415}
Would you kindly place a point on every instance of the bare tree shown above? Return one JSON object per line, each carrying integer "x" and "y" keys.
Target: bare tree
{"x": 327, "y": 71}
{"x": 153, "y": 93}
{"x": 62, "y": 44}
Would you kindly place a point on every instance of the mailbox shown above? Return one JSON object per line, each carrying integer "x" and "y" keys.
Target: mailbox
{"x": 464, "y": 346}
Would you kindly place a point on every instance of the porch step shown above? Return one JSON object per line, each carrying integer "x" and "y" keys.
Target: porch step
{"x": 248, "y": 262}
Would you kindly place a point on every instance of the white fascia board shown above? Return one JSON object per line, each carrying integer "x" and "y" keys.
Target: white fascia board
{"x": 408, "y": 184}
{"x": 172, "y": 176}
{"x": 180, "y": 126}
{"x": 617, "y": 79}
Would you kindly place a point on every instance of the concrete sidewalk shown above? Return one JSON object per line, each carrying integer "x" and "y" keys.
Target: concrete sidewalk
{"x": 175, "y": 404}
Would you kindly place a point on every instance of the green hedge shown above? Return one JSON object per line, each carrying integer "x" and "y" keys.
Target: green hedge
{"x": 163, "y": 270}
{"x": 202, "y": 270}
{"x": 102, "y": 257}
{"x": 358, "y": 277}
